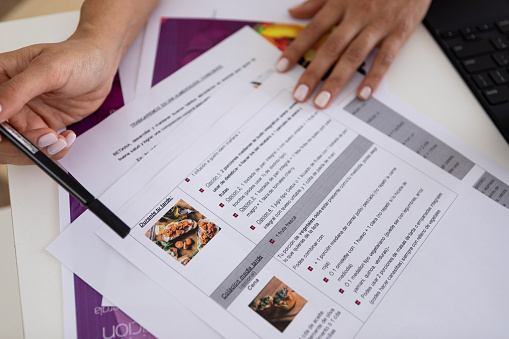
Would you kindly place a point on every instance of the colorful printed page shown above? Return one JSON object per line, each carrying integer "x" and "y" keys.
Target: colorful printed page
{"x": 284, "y": 221}
{"x": 218, "y": 10}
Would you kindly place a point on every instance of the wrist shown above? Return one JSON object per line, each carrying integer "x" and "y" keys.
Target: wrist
{"x": 107, "y": 47}
{"x": 112, "y": 36}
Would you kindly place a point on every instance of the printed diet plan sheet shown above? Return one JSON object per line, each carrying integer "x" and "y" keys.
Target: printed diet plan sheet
{"x": 285, "y": 221}
{"x": 126, "y": 136}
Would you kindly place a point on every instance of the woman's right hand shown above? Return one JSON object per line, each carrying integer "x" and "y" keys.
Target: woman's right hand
{"x": 45, "y": 87}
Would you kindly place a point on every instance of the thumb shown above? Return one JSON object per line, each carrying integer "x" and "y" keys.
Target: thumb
{"x": 23, "y": 87}
{"x": 307, "y": 9}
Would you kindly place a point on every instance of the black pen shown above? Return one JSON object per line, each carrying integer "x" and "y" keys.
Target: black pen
{"x": 64, "y": 179}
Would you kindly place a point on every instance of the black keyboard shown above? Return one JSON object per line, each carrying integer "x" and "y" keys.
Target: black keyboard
{"x": 480, "y": 53}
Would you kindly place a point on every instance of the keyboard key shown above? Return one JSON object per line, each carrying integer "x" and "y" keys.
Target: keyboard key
{"x": 502, "y": 58}
{"x": 473, "y": 48}
{"x": 500, "y": 42}
{"x": 449, "y": 34}
{"x": 482, "y": 80}
{"x": 500, "y": 77}
{"x": 503, "y": 25}
{"x": 467, "y": 30}
{"x": 497, "y": 95}
{"x": 485, "y": 27}
{"x": 479, "y": 64}
{"x": 469, "y": 34}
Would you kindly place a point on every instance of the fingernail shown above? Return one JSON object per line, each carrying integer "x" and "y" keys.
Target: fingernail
{"x": 365, "y": 93}
{"x": 301, "y": 92}
{"x": 46, "y": 140}
{"x": 282, "y": 65}
{"x": 70, "y": 138}
{"x": 322, "y": 99}
{"x": 57, "y": 146}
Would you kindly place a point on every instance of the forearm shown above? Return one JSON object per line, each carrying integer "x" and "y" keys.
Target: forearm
{"x": 112, "y": 25}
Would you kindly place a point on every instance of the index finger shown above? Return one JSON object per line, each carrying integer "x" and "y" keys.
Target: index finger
{"x": 317, "y": 28}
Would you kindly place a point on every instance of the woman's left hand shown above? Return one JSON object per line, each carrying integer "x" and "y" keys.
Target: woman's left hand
{"x": 361, "y": 26}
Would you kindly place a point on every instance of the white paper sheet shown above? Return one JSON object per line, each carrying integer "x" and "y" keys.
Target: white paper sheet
{"x": 128, "y": 68}
{"x": 433, "y": 274}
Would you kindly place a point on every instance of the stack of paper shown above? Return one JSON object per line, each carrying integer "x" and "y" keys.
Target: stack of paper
{"x": 258, "y": 216}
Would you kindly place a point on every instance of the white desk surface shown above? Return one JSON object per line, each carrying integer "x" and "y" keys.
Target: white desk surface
{"x": 421, "y": 76}
{"x": 34, "y": 202}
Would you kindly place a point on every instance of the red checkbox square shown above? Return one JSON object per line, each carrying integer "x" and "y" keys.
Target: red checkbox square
{"x": 235, "y": 215}
{"x": 221, "y": 205}
{"x": 252, "y": 227}
{"x": 341, "y": 291}
{"x": 310, "y": 268}
{"x": 187, "y": 179}
{"x": 357, "y": 302}
{"x": 325, "y": 279}
{"x": 202, "y": 190}
{"x": 271, "y": 241}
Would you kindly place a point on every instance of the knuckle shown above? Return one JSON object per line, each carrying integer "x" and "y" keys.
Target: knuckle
{"x": 314, "y": 28}
{"x": 365, "y": 8}
{"x": 386, "y": 58}
{"x": 383, "y": 21}
{"x": 404, "y": 27}
{"x": 332, "y": 48}
{"x": 374, "y": 78}
{"x": 335, "y": 83}
{"x": 369, "y": 36}
{"x": 12, "y": 87}
{"x": 355, "y": 55}
{"x": 3, "y": 68}
{"x": 310, "y": 76}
